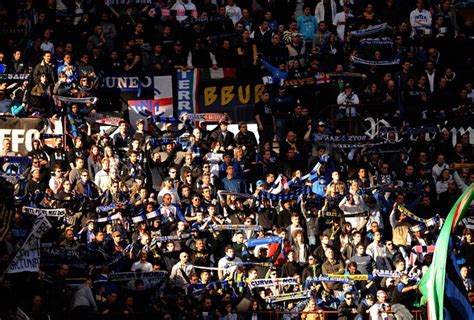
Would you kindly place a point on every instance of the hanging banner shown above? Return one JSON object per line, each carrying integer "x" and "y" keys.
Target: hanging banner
{"x": 227, "y": 94}
{"x": 21, "y": 131}
{"x": 28, "y": 257}
{"x": 187, "y": 91}
{"x": 161, "y": 104}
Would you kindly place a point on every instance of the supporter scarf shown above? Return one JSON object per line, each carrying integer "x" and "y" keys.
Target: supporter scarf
{"x": 289, "y": 296}
{"x": 110, "y": 207}
{"x": 371, "y": 30}
{"x": 395, "y": 61}
{"x": 330, "y": 278}
{"x": 294, "y": 194}
{"x": 92, "y": 100}
{"x": 354, "y": 277}
{"x": 240, "y": 227}
{"x": 58, "y": 213}
{"x": 169, "y": 238}
{"x": 393, "y": 274}
{"x": 272, "y": 282}
{"x": 469, "y": 222}
{"x": 117, "y": 216}
{"x": 412, "y": 216}
{"x": 175, "y": 13}
{"x": 118, "y": 2}
{"x": 127, "y": 276}
{"x": 382, "y": 41}
{"x": 236, "y": 265}
{"x": 333, "y": 214}
{"x": 263, "y": 241}
{"x": 356, "y": 214}
{"x": 420, "y": 249}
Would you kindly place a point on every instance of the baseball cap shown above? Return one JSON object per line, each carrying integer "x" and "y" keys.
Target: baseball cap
{"x": 321, "y": 124}
{"x": 259, "y": 183}
{"x": 347, "y": 85}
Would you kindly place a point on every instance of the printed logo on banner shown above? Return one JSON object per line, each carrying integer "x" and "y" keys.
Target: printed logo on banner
{"x": 21, "y": 131}
{"x": 162, "y": 103}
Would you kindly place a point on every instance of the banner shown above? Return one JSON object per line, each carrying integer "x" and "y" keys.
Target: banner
{"x": 127, "y": 276}
{"x": 227, "y": 94}
{"x": 21, "y": 131}
{"x": 187, "y": 91}
{"x": 58, "y": 213}
{"x": 272, "y": 282}
{"x": 28, "y": 257}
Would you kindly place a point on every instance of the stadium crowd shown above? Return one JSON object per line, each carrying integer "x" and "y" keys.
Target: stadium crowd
{"x": 306, "y": 216}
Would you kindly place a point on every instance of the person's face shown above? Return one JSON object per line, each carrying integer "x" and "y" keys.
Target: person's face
{"x": 167, "y": 200}
{"x": 183, "y": 257}
{"x": 99, "y": 237}
{"x": 352, "y": 269}
{"x": 200, "y": 245}
{"x": 230, "y": 253}
{"x": 361, "y": 250}
{"x": 47, "y": 57}
{"x": 349, "y": 299}
{"x": 230, "y": 171}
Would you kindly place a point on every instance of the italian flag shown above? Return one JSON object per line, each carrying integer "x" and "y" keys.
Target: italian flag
{"x": 219, "y": 73}
{"x": 442, "y": 286}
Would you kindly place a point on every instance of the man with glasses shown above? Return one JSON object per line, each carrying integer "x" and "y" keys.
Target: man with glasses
{"x": 347, "y": 309}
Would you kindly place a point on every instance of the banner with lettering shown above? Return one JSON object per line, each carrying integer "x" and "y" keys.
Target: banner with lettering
{"x": 187, "y": 88}
{"x": 227, "y": 95}
{"x": 21, "y": 131}
{"x": 28, "y": 257}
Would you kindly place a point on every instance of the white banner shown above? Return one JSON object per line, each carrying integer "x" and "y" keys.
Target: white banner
{"x": 28, "y": 257}
{"x": 58, "y": 213}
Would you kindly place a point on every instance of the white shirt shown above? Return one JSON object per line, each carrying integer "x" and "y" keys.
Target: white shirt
{"x": 234, "y": 13}
{"x": 420, "y": 19}
{"x": 340, "y": 23}
{"x": 102, "y": 180}
{"x": 177, "y": 273}
{"x": 223, "y": 262}
{"x": 180, "y": 6}
{"x": 144, "y": 267}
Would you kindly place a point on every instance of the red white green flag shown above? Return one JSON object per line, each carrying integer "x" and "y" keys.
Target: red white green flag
{"x": 442, "y": 286}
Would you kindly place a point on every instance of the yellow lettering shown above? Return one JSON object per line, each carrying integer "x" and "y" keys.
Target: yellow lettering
{"x": 244, "y": 99}
{"x": 301, "y": 81}
{"x": 309, "y": 81}
{"x": 226, "y": 95}
{"x": 209, "y": 96}
{"x": 258, "y": 91}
